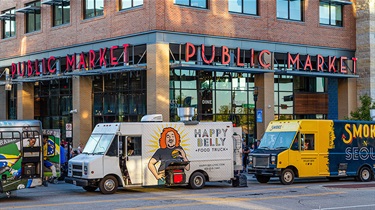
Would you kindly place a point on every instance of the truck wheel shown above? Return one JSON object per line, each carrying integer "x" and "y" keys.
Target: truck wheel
{"x": 108, "y": 185}
{"x": 287, "y": 176}
{"x": 262, "y": 179}
{"x": 365, "y": 174}
{"x": 197, "y": 180}
{"x": 90, "y": 188}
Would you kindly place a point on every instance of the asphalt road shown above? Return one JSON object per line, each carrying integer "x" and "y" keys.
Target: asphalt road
{"x": 303, "y": 194}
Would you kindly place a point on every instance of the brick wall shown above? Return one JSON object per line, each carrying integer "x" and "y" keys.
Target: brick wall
{"x": 164, "y": 15}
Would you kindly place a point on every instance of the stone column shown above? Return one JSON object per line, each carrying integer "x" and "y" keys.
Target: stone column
{"x": 158, "y": 79}
{"x": 265, "y": 84}
{"x": 346, "y": 93}
{"x": 82, "y": 101}
{"x": 25, "y": 101}
{"x": 365, "y": 41}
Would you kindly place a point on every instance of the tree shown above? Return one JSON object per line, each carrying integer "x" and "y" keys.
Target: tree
{"x": 363, "y": 112}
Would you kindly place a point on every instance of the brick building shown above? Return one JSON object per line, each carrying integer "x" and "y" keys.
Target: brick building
{"x": 85, "y": 62}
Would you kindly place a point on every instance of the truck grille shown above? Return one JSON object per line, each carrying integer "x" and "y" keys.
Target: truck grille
{"x": 77, "y": 167}
{"x": 261, "y": 162}
{"x": 77, "y": 173}
{"x": 77, "y": 170}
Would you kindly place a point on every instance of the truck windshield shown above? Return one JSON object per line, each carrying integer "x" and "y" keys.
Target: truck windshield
{"x": 98, "y": 143}
{"x": 277, "y": 140}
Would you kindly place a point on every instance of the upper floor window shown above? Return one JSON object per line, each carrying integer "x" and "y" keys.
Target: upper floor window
{"x": 33, "y": 18}
{"x": 290, "y": 9}
{"x": 243, "y": 6}
{"x": 61, "y": 13}
{"x": 93, "y": 8}
{"x": 330, "y": 14}
{"x": 126, "y": 4}
{"x": 192, "y": 3}
{"x": 9, "y": 23}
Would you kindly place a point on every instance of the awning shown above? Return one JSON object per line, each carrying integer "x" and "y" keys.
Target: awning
{"x": 111, "y": 70}
{"x": 68, "y": 75}
{"x": 56, "y": 2}
{"x": 29, "y": 9}
{"x": 314, "y": 74}
{"x": 220, "y": 68}
{"x": 7, "y": 17}
{"x": 342, "y": 2}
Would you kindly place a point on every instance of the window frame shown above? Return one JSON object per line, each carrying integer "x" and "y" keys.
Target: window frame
{"x": 242, "y": 8}
{"x": 85, "y": 15}
{"x": 62, "y": 7}
{"x": 13, "y": 33}
{"x": 289, "y": 11}
{"x": 37, "y": 15}
{"x": 121, "y": 7}
{"x": 190, "y": 4}
{"x": 330, "y": 14}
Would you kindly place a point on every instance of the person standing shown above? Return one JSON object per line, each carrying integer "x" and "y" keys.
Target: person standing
{"x": 245, "y": 154}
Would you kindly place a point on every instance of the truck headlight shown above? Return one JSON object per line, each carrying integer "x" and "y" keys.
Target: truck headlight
{"x": 273, "y": 159}
{"x": 85, "y": 170}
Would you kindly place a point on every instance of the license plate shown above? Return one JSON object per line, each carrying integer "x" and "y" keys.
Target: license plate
{"x": 75, "y": 182}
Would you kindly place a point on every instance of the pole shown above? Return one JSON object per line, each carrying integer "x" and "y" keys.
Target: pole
{"x": 255, "y": 94}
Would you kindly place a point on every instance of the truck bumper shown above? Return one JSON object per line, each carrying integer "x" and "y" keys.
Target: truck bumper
{"x": 77, "y": 182}
{"x": 265, "y": 171}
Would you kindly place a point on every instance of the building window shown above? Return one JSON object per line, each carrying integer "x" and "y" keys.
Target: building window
{"x": 61, "y": 13}
{"x": 33, "y": 19}
{"x": 243, "y": 6}
{"x": 290, "y": 9}
{"x": 93, "y": 8}
{"x": 330, "y": 14}
{"x": 192, "y": 3}
{"x": 9, "y": 24}
{"x": 126, "y": 4}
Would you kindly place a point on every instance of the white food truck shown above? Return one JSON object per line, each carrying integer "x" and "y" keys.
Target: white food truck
{"x": 157, "y": 153}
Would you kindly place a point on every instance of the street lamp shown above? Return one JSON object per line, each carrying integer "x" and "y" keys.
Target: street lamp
{"x": 255, "y": 94}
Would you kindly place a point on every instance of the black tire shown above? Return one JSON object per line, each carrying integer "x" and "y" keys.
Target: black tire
{"x": 90, "y": 188}
{"x": 262, "y": 179}
{"x": 287, "y": 176}
{"x": 365, "y": 174}
{"x": 197, "y": 181}
{"x": 108, "y": 185}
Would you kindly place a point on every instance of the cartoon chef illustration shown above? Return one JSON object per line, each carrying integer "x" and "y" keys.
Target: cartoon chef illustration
{"x": 169, "y": 151}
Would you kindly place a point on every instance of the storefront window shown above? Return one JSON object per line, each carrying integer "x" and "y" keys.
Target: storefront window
{"x": 53, "y": 102}
{"x": 119, "y": 97}
{"x": 217, "y": 96}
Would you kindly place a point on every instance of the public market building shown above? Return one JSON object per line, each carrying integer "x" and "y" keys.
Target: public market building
{"x": 249, "y": 62}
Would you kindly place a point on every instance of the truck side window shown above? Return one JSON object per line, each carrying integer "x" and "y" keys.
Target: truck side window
{"x": 134, "y": 145}
{"x": 309, "y": 142}
{"x": 113, "y": 149}
{"x": 137, "y": 146}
